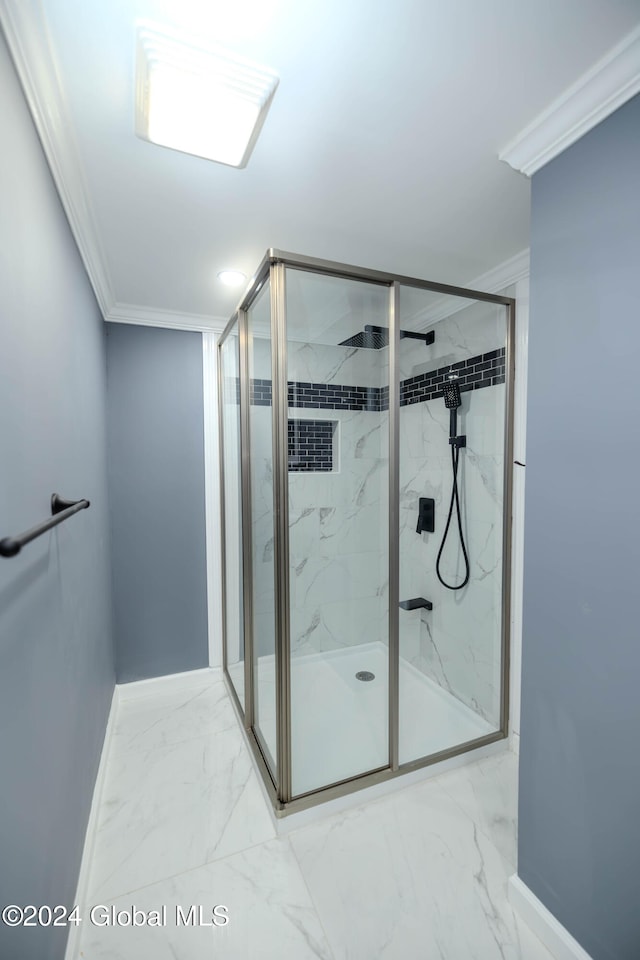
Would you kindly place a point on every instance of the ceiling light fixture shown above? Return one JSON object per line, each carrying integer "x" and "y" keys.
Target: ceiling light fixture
{"x": 232, "y": 278}
{"x": 200, "y": 100}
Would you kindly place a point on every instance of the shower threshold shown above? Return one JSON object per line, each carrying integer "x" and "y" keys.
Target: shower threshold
{"x": 339, "y": 724}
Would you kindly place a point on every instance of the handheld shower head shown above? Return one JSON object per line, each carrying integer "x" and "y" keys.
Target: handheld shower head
{"x": 451, "y": 394}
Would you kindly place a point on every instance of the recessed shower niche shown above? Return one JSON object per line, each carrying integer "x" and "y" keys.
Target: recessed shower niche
{"x": 312, "y": 446}
{"x": 365, "y": 436}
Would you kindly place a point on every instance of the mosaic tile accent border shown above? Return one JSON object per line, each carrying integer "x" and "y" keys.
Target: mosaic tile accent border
{"x": 334, "y": 396}
{"x": 320, "y": 396}
{"x": 483, "y": 370}
{"x": 260, "y": 393}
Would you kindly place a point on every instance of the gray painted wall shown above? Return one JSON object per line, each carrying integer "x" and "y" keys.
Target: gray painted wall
{"x": 579, "y": 833}
{"x": 156, "y": 489}
{"x": 56, "y": 657}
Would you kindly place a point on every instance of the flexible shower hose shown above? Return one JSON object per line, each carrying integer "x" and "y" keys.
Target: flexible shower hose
{"x": 455, "y": 501}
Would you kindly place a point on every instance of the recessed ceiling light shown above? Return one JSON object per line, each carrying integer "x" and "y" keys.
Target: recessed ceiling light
{"x": 232, "y": 278}
{"x": 203, "y": 101}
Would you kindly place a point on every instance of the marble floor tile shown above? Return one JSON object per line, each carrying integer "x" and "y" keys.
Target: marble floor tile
{"x": 172, "y": 716}
{"x": 174, "y": 801}
{"x": 488, "y": 792}
{"x": 412, "y": 877}
{"x": 418, "y": 875}
{"x": 271, "y": 915}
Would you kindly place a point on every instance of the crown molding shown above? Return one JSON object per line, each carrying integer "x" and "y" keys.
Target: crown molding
{"x": 25, "y": 29}
{"x": 493, "y": 281}
{"x": 158, "y": 317}
{"x": 24, "y": 26}
{"x": 504, "y": 275}
{"x": 610, "y": 82}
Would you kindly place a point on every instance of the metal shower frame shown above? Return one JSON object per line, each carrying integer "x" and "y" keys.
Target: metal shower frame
{"x": 278, "y": 786}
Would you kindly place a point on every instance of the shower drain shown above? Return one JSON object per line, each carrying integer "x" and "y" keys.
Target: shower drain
{"x": 365, "y": 675}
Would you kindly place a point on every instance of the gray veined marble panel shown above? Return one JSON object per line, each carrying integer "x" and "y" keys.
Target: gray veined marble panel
{"x": 364, "y": 435}
{"x": 316, "y": 490}
{"x": 350, "y": 529}
{"x": 484, "y": 420}
{"x": 308, "y": 631}
{"x": 180, "y": 791}
{"x": 460, "y": 649}
{"x": 271, "y": 915}
{"x": 326, "y": 579}
{"x": 429, "y": 476}
{"x": 322, "y": 363}
{"x": 487, "y": 791}
{"x": 409, "y": 634}
{"x": 477, "y": 328}
{"x": 304, "y": 530}
{"x": 484, "y": 539}
{"x": 366, "y": 482}
{"x": 424, "y": 430}
{"x": 334, "y": 625}
{"x": 412, "y": 876}
{"x": 482, "y": 475}
{"x": 167, "y": 718}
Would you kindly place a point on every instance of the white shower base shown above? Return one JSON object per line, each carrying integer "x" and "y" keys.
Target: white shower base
{"x": 339, "y": 724}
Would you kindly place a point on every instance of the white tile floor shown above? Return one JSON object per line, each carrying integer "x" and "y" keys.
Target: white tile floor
{"x": 419, "y": 874}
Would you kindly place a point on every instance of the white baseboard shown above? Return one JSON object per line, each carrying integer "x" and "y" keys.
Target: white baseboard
{"x": 73, "y": 942}
{"x": 542, "y": 922}
{"x": 190, "y": 679}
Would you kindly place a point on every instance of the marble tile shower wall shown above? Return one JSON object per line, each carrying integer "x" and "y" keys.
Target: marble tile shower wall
{"x": 338, "y": 519}
{"x": 457, "y": 644}
{"x": 338, "y": 541}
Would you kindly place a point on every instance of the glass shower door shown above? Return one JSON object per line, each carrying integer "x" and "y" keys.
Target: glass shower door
{"x": 263, "y": 588}
{"x": 367, "y": 531}
{"x": 338, "y": 468}
{"x": 451, "y": 657}
{"x": 229, "y": 394}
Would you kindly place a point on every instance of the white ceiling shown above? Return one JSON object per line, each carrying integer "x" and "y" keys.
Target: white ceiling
{"x": 380, "y": 148}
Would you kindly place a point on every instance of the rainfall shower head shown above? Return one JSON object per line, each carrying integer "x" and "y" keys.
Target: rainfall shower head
{"x": 451, "y": 394}
{"x": 374, "y": 338}
{"x": 377, "y": 337}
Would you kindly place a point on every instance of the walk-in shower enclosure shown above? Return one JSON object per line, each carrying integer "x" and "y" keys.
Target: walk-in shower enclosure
{"x": 348, "y": 660}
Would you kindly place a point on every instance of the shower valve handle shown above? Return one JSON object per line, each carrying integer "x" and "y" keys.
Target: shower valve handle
{"x": 426, "y": 515}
